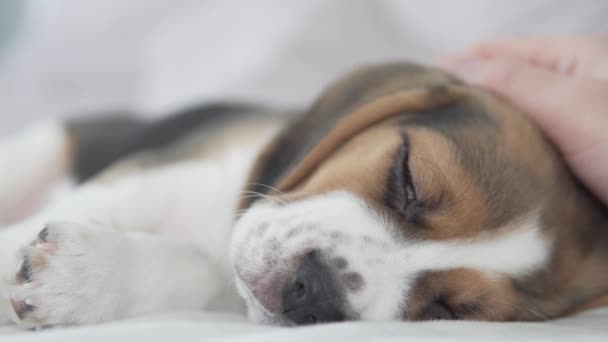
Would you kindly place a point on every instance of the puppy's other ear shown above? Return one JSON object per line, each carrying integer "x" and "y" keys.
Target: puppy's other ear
{"x": 358, "y": 101}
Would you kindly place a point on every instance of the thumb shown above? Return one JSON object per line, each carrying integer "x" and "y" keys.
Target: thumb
{"x": 571, "y": 111}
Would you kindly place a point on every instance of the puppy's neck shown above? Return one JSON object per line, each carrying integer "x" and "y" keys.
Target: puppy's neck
{"x": 592, "y": 273}
{"x": 581, "y": 258}
{"x": 577, "y": 275}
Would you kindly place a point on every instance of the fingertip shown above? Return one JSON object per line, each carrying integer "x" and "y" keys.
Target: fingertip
{"x": 466, "y": 70}
{"x": 448, "y": 62}
{"x": 456, "y": 59}
{"x": 478, "y": 71}
{"x": 499, "y": 74}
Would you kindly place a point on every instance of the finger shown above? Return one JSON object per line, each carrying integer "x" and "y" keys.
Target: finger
{"x": 554, "y": 53}
{"x": 527, "y": 49}
{"x": 572, "y": 112}
{"x": 566, "y": 108}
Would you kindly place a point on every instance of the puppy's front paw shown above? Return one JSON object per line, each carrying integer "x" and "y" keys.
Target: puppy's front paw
{"x": 69, "y": 274}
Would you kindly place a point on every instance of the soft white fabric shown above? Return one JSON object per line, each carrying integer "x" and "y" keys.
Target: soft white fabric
{"x": 591, "y": 326}
{"x": 75, "y": 57}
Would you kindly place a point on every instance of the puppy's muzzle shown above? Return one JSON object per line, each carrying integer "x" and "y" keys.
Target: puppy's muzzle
{"x": 313, "y": 296}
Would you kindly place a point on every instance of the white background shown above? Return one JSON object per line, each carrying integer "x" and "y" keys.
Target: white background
{"x": 74, "y": 57}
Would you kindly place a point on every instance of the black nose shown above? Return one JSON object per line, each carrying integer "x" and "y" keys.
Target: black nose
{"x": 313, "y": 296}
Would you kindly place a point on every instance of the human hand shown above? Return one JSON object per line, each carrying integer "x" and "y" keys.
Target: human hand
{"x": 562, "y": 83}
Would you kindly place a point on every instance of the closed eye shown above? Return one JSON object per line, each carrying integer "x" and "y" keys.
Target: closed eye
{"x": 401, "y": 191}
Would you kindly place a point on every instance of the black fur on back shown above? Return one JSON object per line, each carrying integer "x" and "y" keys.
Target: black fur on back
{"x": 102, "y": 141}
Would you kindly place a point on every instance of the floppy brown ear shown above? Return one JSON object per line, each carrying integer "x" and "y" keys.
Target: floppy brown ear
{"x": 367, "y": 115}
{"x": 354, "y": 103}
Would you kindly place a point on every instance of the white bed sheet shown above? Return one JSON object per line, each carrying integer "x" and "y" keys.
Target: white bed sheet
{"x": 185, "y": 327}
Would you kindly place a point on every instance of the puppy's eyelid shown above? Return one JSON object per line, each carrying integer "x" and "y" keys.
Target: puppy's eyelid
{"x": 413, "y": 211}
{"x": 401, "y": 188}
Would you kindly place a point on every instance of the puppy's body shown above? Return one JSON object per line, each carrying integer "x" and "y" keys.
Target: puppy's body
{"x": 177, "y": 181}
{"x": 401, "y": 194}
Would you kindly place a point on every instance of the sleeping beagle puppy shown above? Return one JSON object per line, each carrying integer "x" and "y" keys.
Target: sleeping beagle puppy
{"x": 401, "y": 194}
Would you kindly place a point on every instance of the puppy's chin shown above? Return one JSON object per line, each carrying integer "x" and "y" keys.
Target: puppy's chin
{"x": 261, "y": 317}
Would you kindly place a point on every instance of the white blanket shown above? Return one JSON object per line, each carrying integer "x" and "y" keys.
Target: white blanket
{"x": 591, "y": 326}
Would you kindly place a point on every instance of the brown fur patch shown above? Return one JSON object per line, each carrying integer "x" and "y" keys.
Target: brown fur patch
{"x": 357, "y": 166}
{"x": 470, "y": 295}
{"x": 363, "y": 118}
{"x": 595, "y": 303}
{"x": 455, "y": 205}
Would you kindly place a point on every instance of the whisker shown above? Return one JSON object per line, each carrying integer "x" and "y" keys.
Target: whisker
{"x": 271, "y": 188}
{"x": 258, "y": 194}
{"x": 254, "y": 194}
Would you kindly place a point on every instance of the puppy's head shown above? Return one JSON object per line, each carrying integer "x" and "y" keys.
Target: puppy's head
{"x": 404, "y": 194}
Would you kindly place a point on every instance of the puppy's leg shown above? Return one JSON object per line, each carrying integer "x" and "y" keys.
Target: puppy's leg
{"x": 31, "y": 162}
{"x": 102, "y": 267}
{"x": 79, "y": 274}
